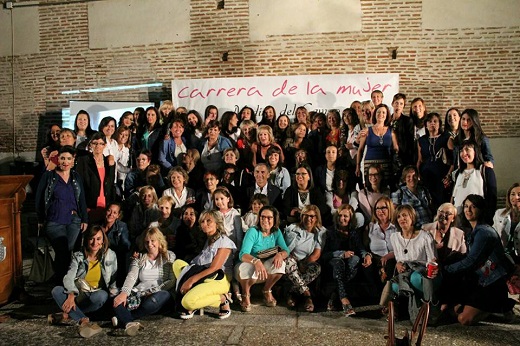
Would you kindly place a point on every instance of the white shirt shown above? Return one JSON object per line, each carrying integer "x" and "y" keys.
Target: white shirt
{"x": 180, "y": 201}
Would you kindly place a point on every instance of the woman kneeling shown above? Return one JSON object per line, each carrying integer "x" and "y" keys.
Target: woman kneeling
{"x": 206, "y": 280}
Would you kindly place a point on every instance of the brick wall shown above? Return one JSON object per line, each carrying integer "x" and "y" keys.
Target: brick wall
{"x": 454, "y": 67}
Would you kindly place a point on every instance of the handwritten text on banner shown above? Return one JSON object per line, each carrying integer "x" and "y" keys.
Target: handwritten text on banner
{"x": 285, "y": 93}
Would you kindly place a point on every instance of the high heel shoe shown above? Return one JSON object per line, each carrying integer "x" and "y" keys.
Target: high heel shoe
{"x": 269, "y": 302}
{"x": 245, "y": 307}
{"x": 348, "y": 310}
{"x": 187, "y": 315}
{"x": 223, "y": 313}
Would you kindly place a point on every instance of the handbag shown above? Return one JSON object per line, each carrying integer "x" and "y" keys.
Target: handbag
{"x": 41, "y": 269}
{"x": 387, "y": 295}
{"x": 84, "y": 286}
{"x": 268, "y": 253}
{"x": 133, "y": 300}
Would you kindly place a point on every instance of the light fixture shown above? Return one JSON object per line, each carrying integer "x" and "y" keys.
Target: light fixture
{"x": 116, "y": 88}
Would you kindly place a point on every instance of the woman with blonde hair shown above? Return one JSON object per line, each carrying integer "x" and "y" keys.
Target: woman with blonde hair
{"x": 206, "y": 280}
{"x": 148, "y": 283}
{"x": 304, "y": 241}
{"x": 264, "y": 140}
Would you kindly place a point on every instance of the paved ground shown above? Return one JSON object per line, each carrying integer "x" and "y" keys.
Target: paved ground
{"x": 27, "y": 325}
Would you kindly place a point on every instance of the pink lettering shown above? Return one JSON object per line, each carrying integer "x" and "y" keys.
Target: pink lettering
{"x": 230, "y": 92}
{"x": 180, "y": 93}
{"x": 240, "y": 90}
{"x": 314, "y": 89}
{"x": 281, "y": 90}
{"x": 196, "y": 93}
{"x": 253, "y": 90}
{"x": 350, "y": 89}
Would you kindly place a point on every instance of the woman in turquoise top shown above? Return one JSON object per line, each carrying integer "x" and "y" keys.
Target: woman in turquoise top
{"x": 265, "y": 235}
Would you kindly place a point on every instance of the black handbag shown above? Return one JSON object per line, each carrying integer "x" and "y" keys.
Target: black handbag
{"x": 41, "y": 269}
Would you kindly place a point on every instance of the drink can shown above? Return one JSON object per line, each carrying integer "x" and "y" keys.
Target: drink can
{"x": 432, "y": 267}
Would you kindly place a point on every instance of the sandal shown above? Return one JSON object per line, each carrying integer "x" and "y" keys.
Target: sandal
{"x": 331, "y": 304}
{"x": 246, "y": 307}
{"x": 309, "y": 305}
{"x": 187, "y": 315}
{"x": 269, "y": 302}
{"x": 348, "y": 310}
{"x": 224, "y": 313}
{"x": 291, "y": 302}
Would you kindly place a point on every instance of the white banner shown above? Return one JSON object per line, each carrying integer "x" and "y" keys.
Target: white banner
{"x": 285, "y": 94}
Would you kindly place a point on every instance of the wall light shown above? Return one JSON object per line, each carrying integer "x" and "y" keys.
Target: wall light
{"x": 116, "y": 88}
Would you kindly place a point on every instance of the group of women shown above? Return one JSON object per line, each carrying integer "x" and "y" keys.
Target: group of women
{"x": 156, "y": 249}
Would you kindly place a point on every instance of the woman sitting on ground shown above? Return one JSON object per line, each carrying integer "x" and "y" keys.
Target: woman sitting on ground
{"x": 267, "y": 270}
{"x": 95, "y": 268}
{"x": 304, "y": 240}
{"x": 478, "y": 282}
{"x": 343, "y": 252}
{"x": 150, "y": 278}
{"x": 206, "y": 280}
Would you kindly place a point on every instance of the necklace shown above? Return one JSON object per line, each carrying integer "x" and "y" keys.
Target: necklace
{"x": 378, "y": 135}
{"x": 303, "y": 196}
{"x": 466, "y": 174}
{"x": 434, "y": 155}
{"x": 407, "y": 243}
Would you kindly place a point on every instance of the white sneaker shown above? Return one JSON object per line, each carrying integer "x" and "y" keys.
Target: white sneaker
{"x": 132, "y": 328}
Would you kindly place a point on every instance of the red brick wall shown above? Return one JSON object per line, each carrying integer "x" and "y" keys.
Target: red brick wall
{"x": 457, "y": 67}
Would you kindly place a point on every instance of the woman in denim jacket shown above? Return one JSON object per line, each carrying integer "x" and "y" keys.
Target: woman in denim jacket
{"x": 89, "y": 281}
{"x": 482, "y": 288}
{"x": 62, "y": 209}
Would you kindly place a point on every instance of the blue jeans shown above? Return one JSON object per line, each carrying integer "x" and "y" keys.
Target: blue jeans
{"x": 62, "y": 239}
{"x": 149, "y": 306}
{"x": 85, "y": 302}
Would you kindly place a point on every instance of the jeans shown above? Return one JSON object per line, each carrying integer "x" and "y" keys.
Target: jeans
{"x": 149, "y": 306}
{"x": 62, "y": 239}
{"x": 85, "y": 302}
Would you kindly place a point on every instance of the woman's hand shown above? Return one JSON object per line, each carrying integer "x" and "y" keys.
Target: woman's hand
{"x": 367, "y": 261}
{"x": 187, "y": 285}
{"x": 358, "y": 170}
{"x": 111, "y": 160}
{"x": 260, "y": 270}
{"x": 348, "y": 254}
{"x": 401, "y": 267}
{"x": 69, "y": 304}
{"x": 120, "y": 299}
{"x": 278, "y": 260}
{"x": 386, "y": 257}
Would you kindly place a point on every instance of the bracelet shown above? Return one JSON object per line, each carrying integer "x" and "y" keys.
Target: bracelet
{"x": 254, "y": 260}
